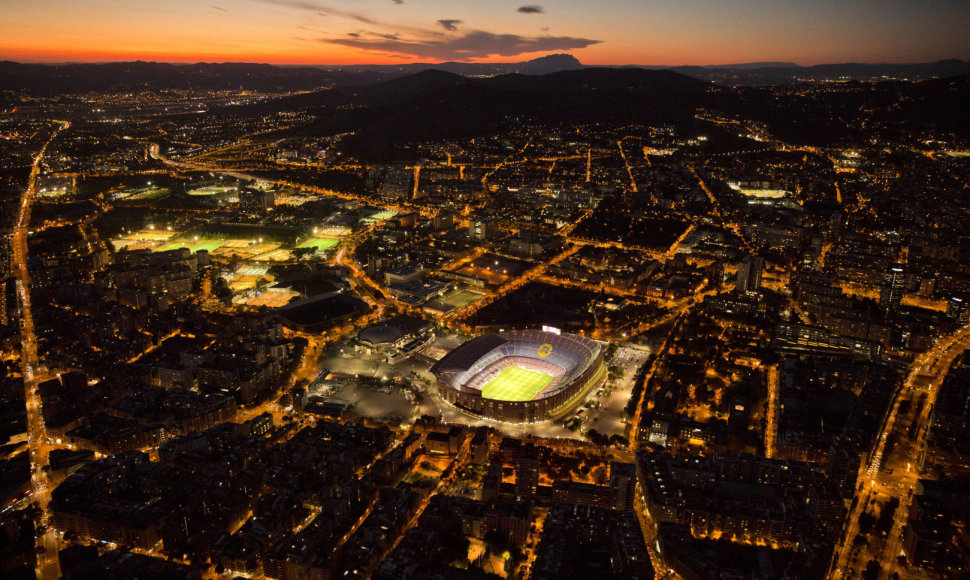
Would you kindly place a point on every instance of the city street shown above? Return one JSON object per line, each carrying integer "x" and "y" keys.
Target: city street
{"x": 882, "y": 477}
{"x": 33, "y": 374}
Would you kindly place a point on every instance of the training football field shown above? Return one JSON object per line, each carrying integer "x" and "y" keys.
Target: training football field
{"x": 516, "y": 384}
{"x": 320, "y": 244}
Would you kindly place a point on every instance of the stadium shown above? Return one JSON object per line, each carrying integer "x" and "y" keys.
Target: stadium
{"x": 523, "y": 376}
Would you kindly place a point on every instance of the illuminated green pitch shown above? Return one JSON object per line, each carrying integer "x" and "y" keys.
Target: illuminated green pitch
{"x": 320, "y": 244}
{"x": 516, "y": 384}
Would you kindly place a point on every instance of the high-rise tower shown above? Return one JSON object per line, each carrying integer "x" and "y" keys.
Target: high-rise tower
{"x": 749, "y": 274}
{"x": 891, "y": 292}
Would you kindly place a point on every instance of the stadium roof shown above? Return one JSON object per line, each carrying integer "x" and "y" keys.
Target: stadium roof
{"x": 467, "y": 354}
{"x": 380, "y": 334}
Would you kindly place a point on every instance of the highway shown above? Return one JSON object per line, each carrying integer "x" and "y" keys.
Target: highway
{"x": 895, "y": 475}
{"x": 46, "y": 536}
{"x": 904, "y": 460}
{"x": 154, "y": 151}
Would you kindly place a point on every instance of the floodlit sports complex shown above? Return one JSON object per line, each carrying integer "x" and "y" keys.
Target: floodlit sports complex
{"x": 523, "y": 376}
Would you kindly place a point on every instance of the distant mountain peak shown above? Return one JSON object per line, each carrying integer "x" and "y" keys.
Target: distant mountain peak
{"x": 549, "y": 64}
{"x": 560, "y": 58}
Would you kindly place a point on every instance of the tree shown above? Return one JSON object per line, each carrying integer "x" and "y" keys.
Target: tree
{"x": 221, "y": 289}
{"x": 454, "y": 549}
{"x": 866, "y": 522}
{"x": 597, "y": 437}
{"x": 872, "y": 571}
{"x": 300, "y": 253}
{"x": 610, "y": 351}
{"x": 498, "y": 543}
{"x": 885, "y": 523}
{"x": 619, "y": 440}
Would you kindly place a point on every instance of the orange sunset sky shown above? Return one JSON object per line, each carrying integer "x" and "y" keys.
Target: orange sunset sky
{"x": 659, "y": 32}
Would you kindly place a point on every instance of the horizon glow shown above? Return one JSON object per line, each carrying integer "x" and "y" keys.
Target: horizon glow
{"x": 620, "y": 32}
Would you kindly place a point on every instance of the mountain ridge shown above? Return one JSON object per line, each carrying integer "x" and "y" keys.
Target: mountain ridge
{"x": 77, "y": 78}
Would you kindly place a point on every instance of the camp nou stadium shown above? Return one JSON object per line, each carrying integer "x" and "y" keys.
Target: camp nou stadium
{"x": 522, "y": 376}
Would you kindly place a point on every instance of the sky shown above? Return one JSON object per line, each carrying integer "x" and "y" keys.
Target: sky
{"x": 603, "y": 32}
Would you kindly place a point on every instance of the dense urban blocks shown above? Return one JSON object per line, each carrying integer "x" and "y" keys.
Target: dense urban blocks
{"x": 523, "y": 376}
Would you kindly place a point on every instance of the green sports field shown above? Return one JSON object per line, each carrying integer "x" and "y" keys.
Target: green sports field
{"x": 379, "y": 216}
{"x": 193, "y": 246}
{"x": 516, "y": 384}
{"x": 321, "y": 244}
{"x": 150, "y": 193}
{"x": 211, "y": 190}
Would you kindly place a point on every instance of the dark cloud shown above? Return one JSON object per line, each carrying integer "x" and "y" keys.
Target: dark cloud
{"x": 322, "y": 10}
{"x": 475, "y": 44}
{"x": 307, "y": 28}
{"x": 297, "y": 4}
{"x": 326, "y": 11}
{"x": 219, "y": 8}
{"x": 404, "y": 42}
{"x": 398, "y": 1}
{"x": 450, "y": 24}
